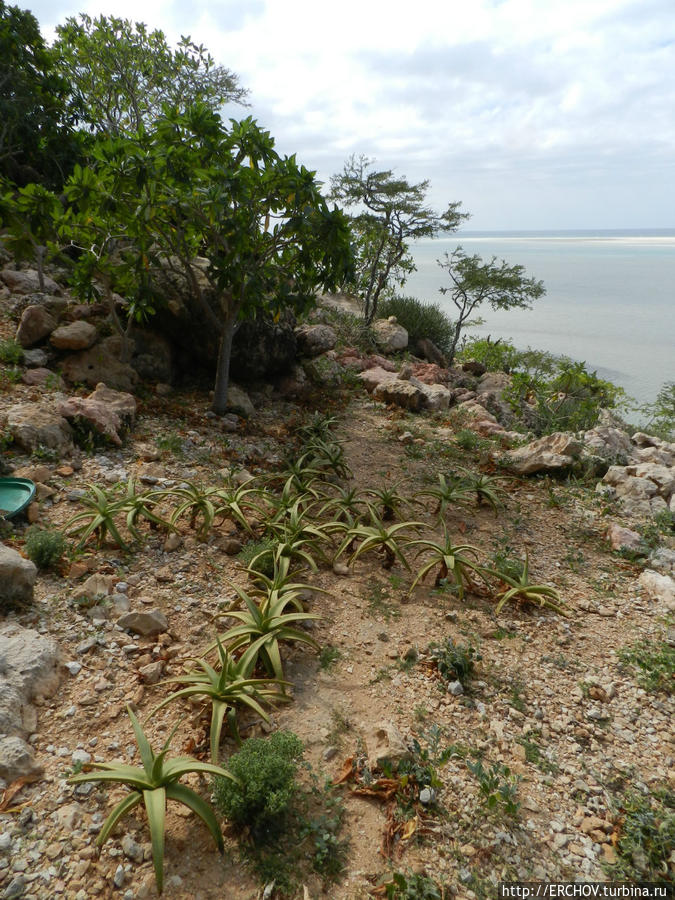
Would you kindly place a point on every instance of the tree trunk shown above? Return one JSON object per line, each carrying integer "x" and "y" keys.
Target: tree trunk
{"x": 219, "y": 406}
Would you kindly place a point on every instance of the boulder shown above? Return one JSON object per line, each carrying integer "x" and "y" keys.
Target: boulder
{"x": 26, "y": 281}
{"x": 385, "y": 743}
{"x": 622, "y": 538}
{"x": 374, "y": 376}
{"x": 429, "y": 373}
{"x": 93, "y": 590}
{"x": 389, "y": 335}
{"x": 153, "y": 357}
{"x": 99, "y": 417}
{"x": 36, "y": 324}
{"x": 401, "y": 393}
{"x": 658, "y": 587}
{"x": 436, "y": 396}
{"x": 99, "y": 364}
{"x": 17, "y": 761}
{"x": 323, "y": 370}
{"x": 74, "y": 336}
{"x": 239, "y": 402}
{"x": 429, "y": 351}
{"x": 122, "y": 403}
{"x": 607, "y": 442}
{"x": 264, "y": 347}
{"x": 44, "y": 378}
{"x": 313, "y": 340}
{"x": 17, "y": 579}
{"x": 34, "y": 425}
{"x": 552, "y": 453}
{"x": 493, "y": 383}
{"x": 35, "y": 359}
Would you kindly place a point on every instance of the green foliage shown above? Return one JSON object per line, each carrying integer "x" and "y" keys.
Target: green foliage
{"x": 44, "y": 546}
{"x": 38, "y": 141}
{"x": 654, "y": 662}
{"x": 153, "y": 785}
{"x": 262, "y": 551}
{"x": 498, "y": 787}
{"x": 11, "y": 352}
{"x": 453, "y": 561}
{"x": 121, "y": 73}
{"x": 350, "y": 329}
{"x": 455, "y": 662}
{"x": 646, "y": 838}
{"x": 662, "y": 413}
{"x": 475, "y": 282}
{"x": 496, "y": 356}
{"x": 376, "y": 537}
{"x": 170, "y": 442}
{"x": 524, "y": 591}
{"x": 452, "y": 489}
{"x": 421, "y": 320}
{"x": 390, "y": 212}
{"x": 328, "y": 656}
{"x": 98, "y": 517}
{"x": 32, "y": 215}
{"x": 413, "y": 887}
{"x": 261, "y": 796}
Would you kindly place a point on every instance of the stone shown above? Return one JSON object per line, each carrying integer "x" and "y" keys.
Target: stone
{"x": 385, "y": 742}
{"x": 323, "y": 370}
{"x": 623, "y": 538}
{"x": 429, "y": 373}
{"x": 436, "y": 396}
{"x": 473, "y": 367}
{"x": 74, "y": 336}
{"x": 93, "y": 590}
{"x": 36, "y": 324}
{"x": 99, "y": 364}
{"x": 608, "y": 442}
{"x": 34, "y": 425}
{"x": 16, "y": 888}
{"x": 35, "y": 359}
{"x": 144, "y": 622}
{"x": 493, "y": 383}
{"x": 401, "y": 393}
{"x": 313, "y": 340}
{"x": 658, "y": 587}
{"x": 123, "y": 403}
{"x": 429, "y": 351}
{"x": 456, "y": 688}
{"x": 27, "y": 281}
{"x": 389, "y": 335}
{"x": 172, "y": 542}
{"x": 45, "y": 378}
{"x": 239, "y": 402}
{"x": 153, "y": 357}
{"x": 17, "y": 759}
{"x": 132, "y": 849}
{"x": 99, "y": 417}
{"x": 552, "y": 453}
{"x": 17, "y": 579}
{"x": 152, "y": 672}
{"x": 374, "y": 376}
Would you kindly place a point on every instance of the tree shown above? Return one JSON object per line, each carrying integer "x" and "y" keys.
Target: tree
{"x": 194, "y": 188}
{"x": 475, "y": 281}
{"x": 391, "y": 212}
{"x": 38, "y": 142}
{"x": 31, "y": 215}
{"x": 121, "y": 74}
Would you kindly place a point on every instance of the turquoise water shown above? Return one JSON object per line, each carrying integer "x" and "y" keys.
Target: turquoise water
{"x": 610, "y": 298}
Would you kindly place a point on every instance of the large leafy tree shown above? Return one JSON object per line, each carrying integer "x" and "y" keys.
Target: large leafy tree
{"x": 475, "y": 281}
{"x": 38, "y": 140}
{"x": 121, "y": 73}
{"x": 193, "y": 188}
{"x": 389, "y": 212}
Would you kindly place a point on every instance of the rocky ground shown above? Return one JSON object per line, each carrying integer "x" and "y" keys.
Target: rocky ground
{"x": 549, "y": 697}
{"x": 552, "y": 708}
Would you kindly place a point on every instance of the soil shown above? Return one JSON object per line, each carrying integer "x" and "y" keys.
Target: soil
{"x": 548, "y": 698}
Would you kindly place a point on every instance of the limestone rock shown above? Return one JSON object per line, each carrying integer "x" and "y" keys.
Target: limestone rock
{"x": 313, "y": 340}
{"x": 401, "y": 393}
{"x": 144, "y": 622}
{"x": 323, "y": 371}
{"x": 436, "y": 396}
{"x": 238, "y": 401}
{"x": 493, "y": 383}
{"x": 74, "y": 336}
{"x": 99, "y": 364}
{"x": 429, "y": 373}
{"x": 124, "y": 404}
{"x": 94, "y": 589}
{"x": 608, "y": 442}
{"x": 44, "y": 378}
{"x": 389, "y": 335}
{"x": 552, "y": 453}
{"x": 33, "y": 425}
{"x": 17, "y": 579}
{"x": 106, "y": 410}
{"x": 385, "y": 742}
{"x": 17, "y": 759}
{"x": 26, "y": 281}
{"x": 623, "y": 538}
{"x": 35, "y": 325}
{"x": 658, "y": 587}
{"x": 374, "y": 376}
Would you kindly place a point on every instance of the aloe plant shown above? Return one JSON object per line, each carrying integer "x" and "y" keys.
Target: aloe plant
{"x": 523, "y": 590}
{"x": 197, "y": 502}
{"x": 98, "y": 518}
{"x": 264, "y": 625}
{"x": 451, "y": 489}
{"x": 297, "y": 536}
{"x": 328, "y": 454}
{"x": 391, "y": 501}
{"x": 226, "y": 689}
{"x": 153, "y": 784}
{"x": 319, "y": 425}
{"x": 378, "y": 537}
{"x": 453, "y": 561}
{"x": 487, "y": 490}
{"x": 232, "y": 502}
{"x": 141, "y": 505}
{"x": 346, "y": 505}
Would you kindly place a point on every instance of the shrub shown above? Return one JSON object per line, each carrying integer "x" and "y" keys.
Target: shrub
{"x": 44, "y": 546}
{"x": 654, "y": 663}
{"x": 455, "y": 662}
{"x": 266, "y": 770}
{"x": 420, "y": 320}
{"x": 11, "y": 353}
{"x": 646, "y": 836}
{"x": 662, "y": 413}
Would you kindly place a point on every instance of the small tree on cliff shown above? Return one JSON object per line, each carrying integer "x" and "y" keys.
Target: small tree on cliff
{"x": 475, "y": 282}
{"x": 390, "y": 212}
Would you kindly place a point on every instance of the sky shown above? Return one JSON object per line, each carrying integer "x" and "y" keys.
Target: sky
{"x": 536, "y": 114}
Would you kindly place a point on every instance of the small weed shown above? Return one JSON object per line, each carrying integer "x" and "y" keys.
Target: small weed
{"x": 421, "y": 713}
{"x": 328, "y": 656}
{"x": 646, "y": 837}
{"x": 575, "y": 559}
{"x": 171, "y": 443}
{"x": 45, "y": 454}
{"x": 412, "y": 887}
{"x": 455, "y": 662}
{"x": 654, "y": 662}
{"x": 534, "y": 755}
{"x": 264, "y": 549}
{"x": 379, "y": 601}
{"x": 497, "y": 786}
{"x": 11, "y": 352}
{"x": 516, "y": 698}
{"x": 340, "y": 725}
{"x": 44, "y": 546}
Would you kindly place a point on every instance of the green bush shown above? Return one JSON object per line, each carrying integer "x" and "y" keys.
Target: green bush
{"x": 455, "y": 662}
{"x": 44, "y": 546}
{"x": 11, "y": 353}
{"x": 264, "y": 549}
{"x": 266, "y": 770}
{"x": 646, "y": 838}
{"x": 420, "y": 320}
{"x": 662, "y": 413}
{"x": 351, "y": 329}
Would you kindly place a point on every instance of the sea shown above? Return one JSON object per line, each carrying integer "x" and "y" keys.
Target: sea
{"x": 609, "y": 302}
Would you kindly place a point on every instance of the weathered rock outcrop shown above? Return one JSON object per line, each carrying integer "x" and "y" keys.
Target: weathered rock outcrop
{"x": 36, "y": 324}
{"x": 17, "y": 579}
{"x": 34, "y": 425}
{"x": 313, "y": 340}
{"x": 389, "y": 335}
{"x": 26, "y": 281}
{"x": 74, "y": 336}
{"x": 552, "y": 453}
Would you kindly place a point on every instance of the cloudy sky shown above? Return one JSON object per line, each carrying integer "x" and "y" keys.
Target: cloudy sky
{"x": 536, "y": 114}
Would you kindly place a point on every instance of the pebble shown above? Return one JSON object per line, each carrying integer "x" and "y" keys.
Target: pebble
{"x": 455, "y": 688}
{"x": 119, "y": 876}
{"x": 80, "y": 757}
{"x": 15, "y": 889}
{"x": 74, "y": 667}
